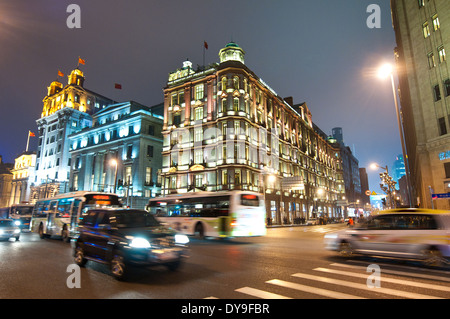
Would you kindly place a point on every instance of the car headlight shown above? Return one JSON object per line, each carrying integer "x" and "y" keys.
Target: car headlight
{"x": 181, "y": 239}
{"x": 17, "y": 222}
{"x": 16, "y": 231}
{"x": 140, "y": 243}
{"x": 1, "y": 232}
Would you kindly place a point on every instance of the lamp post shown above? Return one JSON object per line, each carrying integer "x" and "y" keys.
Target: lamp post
{"x": 386, "y": 179}
{"x": 384, "y": 72}
{"x": 116, "y": 164}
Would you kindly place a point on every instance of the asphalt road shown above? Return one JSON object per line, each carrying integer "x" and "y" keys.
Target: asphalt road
{"x": 290, "y": 262}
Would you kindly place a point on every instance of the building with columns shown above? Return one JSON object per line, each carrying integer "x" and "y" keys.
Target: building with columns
{"x": 23, "y": 175}
{"x": 225, "y": 128}
{"x": 120, "y": 153}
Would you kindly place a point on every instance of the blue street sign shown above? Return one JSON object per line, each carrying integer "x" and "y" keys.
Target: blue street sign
{"x": 443, "y": 195}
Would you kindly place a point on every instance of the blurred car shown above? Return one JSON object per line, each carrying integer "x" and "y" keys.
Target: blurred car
{"x": 9, "y": 229}
{"x": 401, "y": 233}
{"x": 121, "y": 237}
{"x": 312, "y": 221}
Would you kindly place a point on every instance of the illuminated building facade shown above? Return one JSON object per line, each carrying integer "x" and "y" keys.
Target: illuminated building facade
{"x": 422, "y": 30}
{"x": 5, "y": 182}
{"x": 23, "y": 173}
{"x": 66, "y": 110}
{"x": 120, "y": 153}
{"x": 225, "y": 128}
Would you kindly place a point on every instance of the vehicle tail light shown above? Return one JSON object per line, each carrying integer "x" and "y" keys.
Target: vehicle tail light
{"x": 234, "y": 223}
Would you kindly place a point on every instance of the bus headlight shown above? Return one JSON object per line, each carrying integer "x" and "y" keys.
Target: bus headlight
{"x": 140, "y": 243}
{"x": 17, "y": 222}
{"x": 181, "y": 239}
{"x": 16, "y": 231}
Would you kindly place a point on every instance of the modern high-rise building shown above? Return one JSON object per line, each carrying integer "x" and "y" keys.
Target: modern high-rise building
{"x": 67, "y": 109}
{"x": 225, "y": 128}
{"x": 422, "y": 30}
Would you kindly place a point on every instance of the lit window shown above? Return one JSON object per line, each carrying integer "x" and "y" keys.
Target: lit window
{"x": 236, "y": 104}
{"x": 199, "y": 92}
{"x": 224, "y": 83}
{"x": 426, "y": 30}
{"x": 198, "y": 135}
{"x": 442, "y": 57}
{"x": 436, "y": 23}
{"x": 199, "y": 113}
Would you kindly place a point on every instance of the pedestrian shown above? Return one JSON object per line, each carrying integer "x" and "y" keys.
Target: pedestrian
{"x": 350, "y": 222}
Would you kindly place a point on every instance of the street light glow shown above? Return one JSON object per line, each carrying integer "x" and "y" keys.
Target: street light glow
{"x": 385, "y": 71}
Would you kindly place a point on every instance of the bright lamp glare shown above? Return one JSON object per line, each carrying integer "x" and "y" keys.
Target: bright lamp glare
{"x": 181, "y": 239}
{"x": 385, "y": 71}
{"x": 140, "y": 243}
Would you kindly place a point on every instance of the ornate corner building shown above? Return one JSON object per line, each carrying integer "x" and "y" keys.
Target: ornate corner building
{"x": 67, "y": 109}
{"x": 225, "y": 128}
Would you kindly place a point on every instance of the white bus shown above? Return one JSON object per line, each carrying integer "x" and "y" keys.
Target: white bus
{"x": 212, "y": 214}
{"x": 59, "y": 215}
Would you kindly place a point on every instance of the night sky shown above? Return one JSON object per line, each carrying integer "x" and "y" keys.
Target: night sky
{"x": 320, "y": 52}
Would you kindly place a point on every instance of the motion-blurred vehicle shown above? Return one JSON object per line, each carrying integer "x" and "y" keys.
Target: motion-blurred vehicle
{"x": 421, "y": 234}
{"x": 122, "y": 237}
{"x": 9, "y": 229}
{"x": 311, "y": 222}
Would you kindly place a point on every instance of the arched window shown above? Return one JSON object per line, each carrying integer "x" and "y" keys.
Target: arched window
{"x": 236, "y": 82}
{"x": 224, "y": 83}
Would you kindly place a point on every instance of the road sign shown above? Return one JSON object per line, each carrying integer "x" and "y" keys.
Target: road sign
{"x": 439, "y": 196}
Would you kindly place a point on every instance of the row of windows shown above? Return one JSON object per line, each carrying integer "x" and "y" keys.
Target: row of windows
{"x": 426, "y": 27}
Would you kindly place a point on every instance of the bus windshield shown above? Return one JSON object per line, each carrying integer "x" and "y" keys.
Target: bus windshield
{"x": 22, "y": 210}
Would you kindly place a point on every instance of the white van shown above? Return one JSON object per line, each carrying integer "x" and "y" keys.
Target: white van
{"x": 400, "y": 233}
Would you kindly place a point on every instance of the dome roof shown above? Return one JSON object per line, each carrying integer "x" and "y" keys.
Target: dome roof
{"x": 232, "y": 44}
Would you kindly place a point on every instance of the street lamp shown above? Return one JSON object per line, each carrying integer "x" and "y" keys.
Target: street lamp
{"x": 386, "y": 179}
{"x": 384, "y": 72}
{"x": 116, "y": 164}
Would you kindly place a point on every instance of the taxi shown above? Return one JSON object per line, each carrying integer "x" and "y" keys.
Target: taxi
{"x": 422, "y": 234}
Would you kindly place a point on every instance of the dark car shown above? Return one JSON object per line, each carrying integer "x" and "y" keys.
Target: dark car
{"x": 124, "y": 237}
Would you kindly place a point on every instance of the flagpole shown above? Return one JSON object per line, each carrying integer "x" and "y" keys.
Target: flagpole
{"x": 28, "y": 141}
{"x": 204, "y": 49}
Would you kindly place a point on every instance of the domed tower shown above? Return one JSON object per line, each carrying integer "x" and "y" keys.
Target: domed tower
{"x": 232, "y": 52}
{"x": 76, "y": 77}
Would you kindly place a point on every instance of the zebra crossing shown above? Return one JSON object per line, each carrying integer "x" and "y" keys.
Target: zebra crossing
{"x": 335, "y": 280}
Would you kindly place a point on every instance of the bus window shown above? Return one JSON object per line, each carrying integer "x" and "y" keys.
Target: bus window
{"x": 52, "y": 207}
{"x": 64, "y": 207}
{"x": 75, "y": 212}
{"x": 249, "y": 200}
